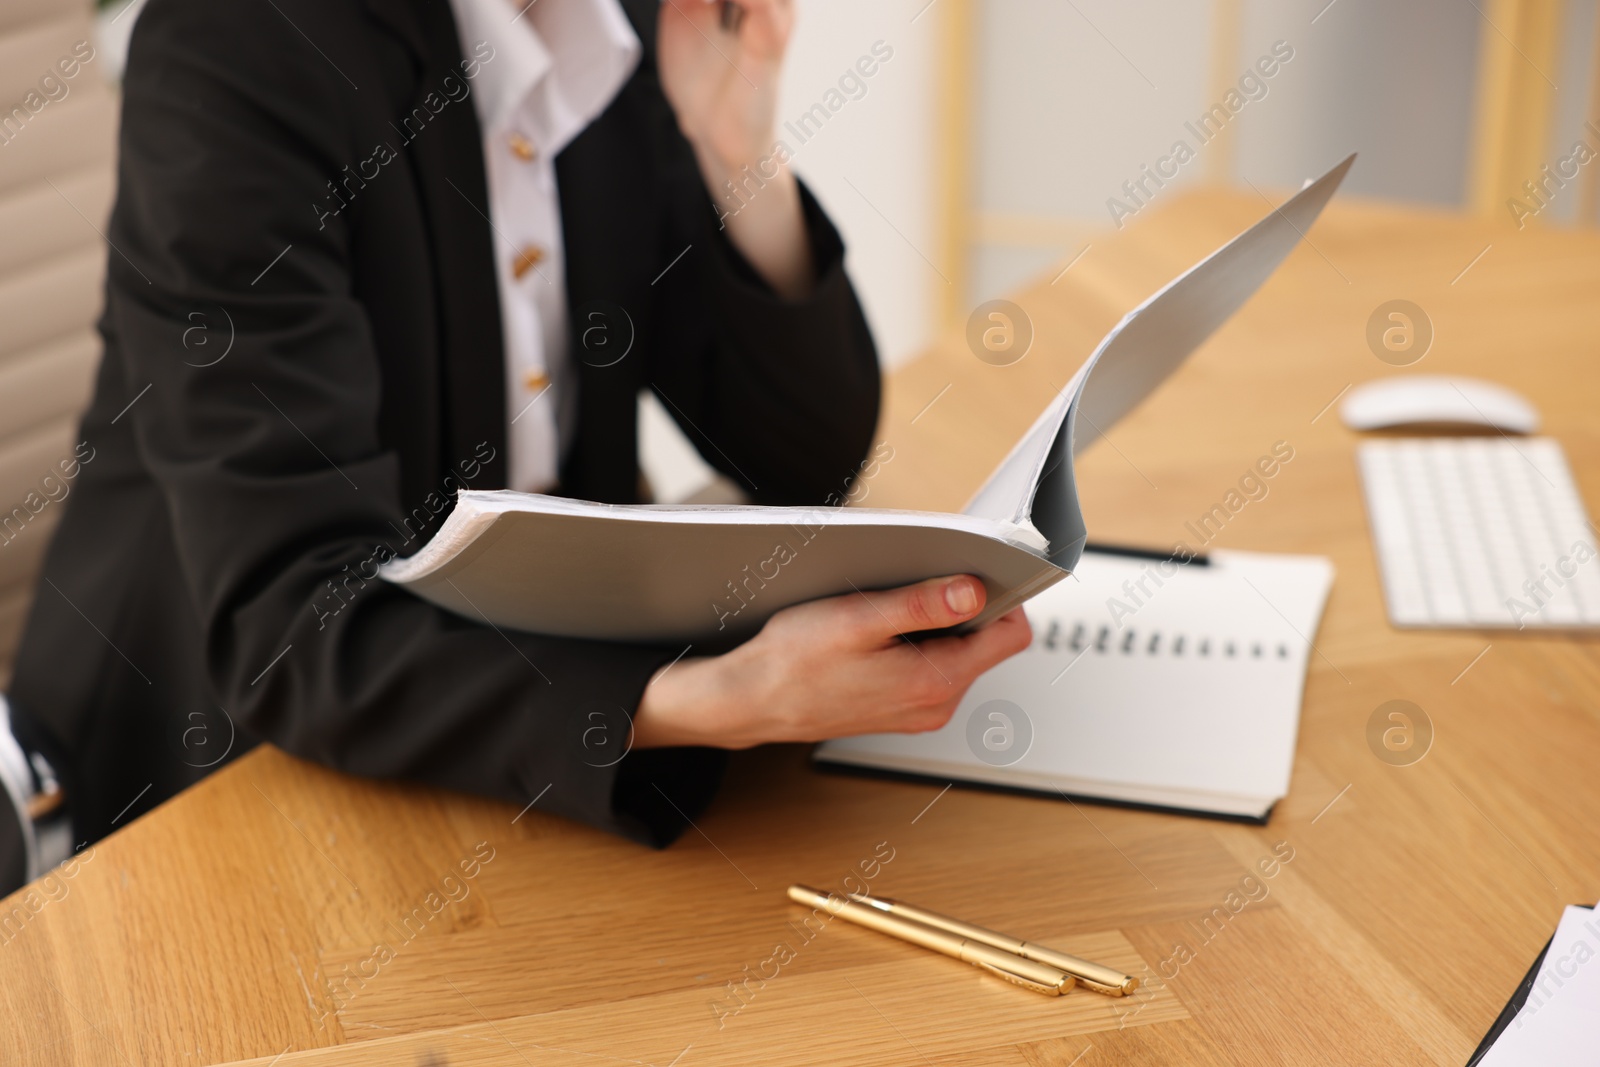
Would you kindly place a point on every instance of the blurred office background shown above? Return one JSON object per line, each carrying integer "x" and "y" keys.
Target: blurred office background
{"x": 981, "y": 151}
{"x": 992, "y": 141}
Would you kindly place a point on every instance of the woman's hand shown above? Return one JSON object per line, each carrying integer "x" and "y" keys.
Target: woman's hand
{"x": 723, "y": 87}
{"x": 833, "y": 668}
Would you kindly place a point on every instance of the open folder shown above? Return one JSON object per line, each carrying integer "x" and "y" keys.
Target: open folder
{"x": 716, "y": 573}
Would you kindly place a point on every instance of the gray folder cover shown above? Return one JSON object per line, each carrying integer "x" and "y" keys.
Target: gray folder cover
{"x": 716, "y": 573}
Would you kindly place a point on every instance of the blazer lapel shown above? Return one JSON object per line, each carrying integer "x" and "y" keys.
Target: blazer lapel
{"x": 399, "y": 17}
{"x": 610, "y": 213}
{"x": 445, "y": 144}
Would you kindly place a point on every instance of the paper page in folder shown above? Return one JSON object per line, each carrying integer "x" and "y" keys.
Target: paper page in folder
{"x": 1149, "y": 344}
{"x": 1131, "y": 361}
{"x": 1006, "y": 496}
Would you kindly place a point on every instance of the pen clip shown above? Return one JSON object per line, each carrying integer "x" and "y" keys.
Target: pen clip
{"x": 1026, "y": 983}
{"x": 1101, "y": 987}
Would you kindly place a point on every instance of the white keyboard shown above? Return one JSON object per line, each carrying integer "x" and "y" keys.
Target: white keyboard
{"x": 1480, "y": 532}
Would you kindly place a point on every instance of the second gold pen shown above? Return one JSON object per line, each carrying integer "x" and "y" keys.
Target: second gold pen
{"x": 1029, "y": 974}
{"x": 1095, "y": 976}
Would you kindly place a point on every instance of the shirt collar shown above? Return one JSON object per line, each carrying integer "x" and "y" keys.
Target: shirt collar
{"x": 556, "y": 66}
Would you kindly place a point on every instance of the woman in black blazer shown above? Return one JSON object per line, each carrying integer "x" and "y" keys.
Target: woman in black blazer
{"x": 363, "y": 383}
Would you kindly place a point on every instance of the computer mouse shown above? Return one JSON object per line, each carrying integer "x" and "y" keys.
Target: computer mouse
{"x": 1436, "y": 400}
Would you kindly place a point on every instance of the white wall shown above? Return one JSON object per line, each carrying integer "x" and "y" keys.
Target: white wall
{"x": 872, "y": 164}
{"x": 1393, "y": 81}
{"x": 1577, "y": 64}
{"x": 1076, "y": 98}
{"x": 1072, "y": 99}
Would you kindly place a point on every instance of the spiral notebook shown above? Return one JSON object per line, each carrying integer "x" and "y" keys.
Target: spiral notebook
{"x": 1149, "y": 682}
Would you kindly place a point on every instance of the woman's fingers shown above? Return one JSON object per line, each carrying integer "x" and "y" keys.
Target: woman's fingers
{"x": 971, "y": 654}
{"x": 929, "y": 678}
{"x": 704, "y": 14}
{"x": 931, "y": 605}
{"x": 775, "y": 12}
{"x": 761, "y": 25}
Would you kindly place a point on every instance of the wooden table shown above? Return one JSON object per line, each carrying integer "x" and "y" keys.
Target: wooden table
{"x": 281, "y": 914}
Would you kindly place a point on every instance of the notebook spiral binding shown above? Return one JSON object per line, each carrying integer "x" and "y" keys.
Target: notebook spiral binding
{"x": 1105, "y": 641}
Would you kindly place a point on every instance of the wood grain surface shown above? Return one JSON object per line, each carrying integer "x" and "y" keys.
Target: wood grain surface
{"x": 280, "y": 913}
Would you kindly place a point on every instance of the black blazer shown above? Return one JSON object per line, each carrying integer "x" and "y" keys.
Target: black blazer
{"x": 288, "y": 395}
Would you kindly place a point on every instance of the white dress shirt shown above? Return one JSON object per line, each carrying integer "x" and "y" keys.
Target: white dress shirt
{"x": 556, "y": 66}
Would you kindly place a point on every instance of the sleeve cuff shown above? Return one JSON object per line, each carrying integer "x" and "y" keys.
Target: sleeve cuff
{"x": 658, "y": 792}
{"x": 827, "y": 258}
{"x": 574, "y": 763}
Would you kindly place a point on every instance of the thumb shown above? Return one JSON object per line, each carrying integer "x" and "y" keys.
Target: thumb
{"x": 930, "y": 605}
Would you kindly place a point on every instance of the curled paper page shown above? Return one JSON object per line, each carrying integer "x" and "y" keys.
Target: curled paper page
{"x": 1035, "y": 482}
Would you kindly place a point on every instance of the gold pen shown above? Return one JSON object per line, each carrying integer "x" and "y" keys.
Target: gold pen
{"x": 1029, "y": 974}
{"x": 1101, "y": 979}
